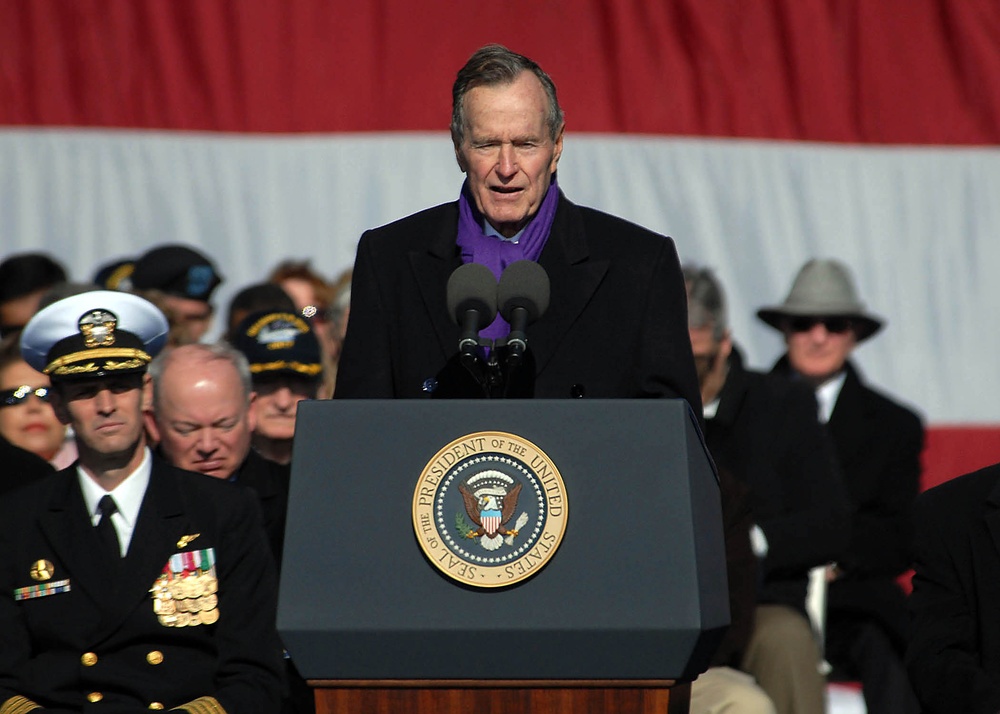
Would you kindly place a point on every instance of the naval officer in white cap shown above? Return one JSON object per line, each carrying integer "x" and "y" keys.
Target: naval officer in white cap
{"x": 126, "y": 583}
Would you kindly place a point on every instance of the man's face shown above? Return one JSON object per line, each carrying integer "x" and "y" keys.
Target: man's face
{"x": 277, "y": 401}
{"x": 508, "y": 153}
{"x": 105, "y": 413}
{"x": 189, "y": 318}
{"x": 202, "y": 416}
{"x": 710, "y": 360}
{"x": 819, "y": 347}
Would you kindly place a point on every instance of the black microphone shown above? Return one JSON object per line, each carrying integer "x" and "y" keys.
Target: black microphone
{"x": 523, "y": 297}
{"x": 472, "y": 303}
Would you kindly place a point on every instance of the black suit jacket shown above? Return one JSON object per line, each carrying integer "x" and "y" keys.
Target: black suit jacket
{"x": 954, "y": 653}
{"x": 767, "y": 433}
{"x": 237, "y": 660}
{"x": 616, "y": 325}
{"x": 878, "y": 444}
{"x": 269, "y": 480}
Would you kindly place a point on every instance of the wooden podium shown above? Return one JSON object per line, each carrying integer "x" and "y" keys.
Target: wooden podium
{"x": 501, "y": 697}
{"x": 634, "y": 598}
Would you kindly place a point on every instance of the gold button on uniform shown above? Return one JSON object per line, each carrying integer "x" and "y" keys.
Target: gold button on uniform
{"x": 154, "y": 657}
{"x": 155, "y": 705}
{"x": 89, "y": 659}
{"x": 94, "y": 697}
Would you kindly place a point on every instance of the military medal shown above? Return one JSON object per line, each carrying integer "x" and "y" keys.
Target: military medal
{"x": 185, "y": 593}
{"x": 42, "y": 570}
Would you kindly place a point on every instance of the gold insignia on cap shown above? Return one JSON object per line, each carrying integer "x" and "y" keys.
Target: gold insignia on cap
{"x": 42, "y": 570}
{"x": 184, "y": 540}
{"x": 98, "y": 328}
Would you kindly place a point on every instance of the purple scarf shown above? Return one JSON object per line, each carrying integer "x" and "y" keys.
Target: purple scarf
{"x": 496, "y": 254}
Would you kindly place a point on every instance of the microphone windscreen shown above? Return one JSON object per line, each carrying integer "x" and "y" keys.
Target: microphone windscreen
{"x": 523, "y": 284}
{"x": 472, "y": 287}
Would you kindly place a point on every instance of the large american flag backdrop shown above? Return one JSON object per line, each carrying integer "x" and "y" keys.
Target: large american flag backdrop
{"x": 757, "y": 134}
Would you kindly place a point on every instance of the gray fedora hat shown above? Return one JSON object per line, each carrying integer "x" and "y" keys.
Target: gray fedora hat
{"x": 823, "y": 288}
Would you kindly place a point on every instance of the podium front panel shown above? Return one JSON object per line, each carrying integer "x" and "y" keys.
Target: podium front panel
{"x": 636, "y": 590}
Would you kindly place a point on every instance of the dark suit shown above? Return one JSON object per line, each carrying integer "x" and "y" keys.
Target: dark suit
{"x": 269, "y": 480}
{"x": 767, "y": 433}
{"x": 878, "y": 444}
{"x": 954, "y": 653}
{"x": 237, "y": 660}
{"x": 616, "y": 324}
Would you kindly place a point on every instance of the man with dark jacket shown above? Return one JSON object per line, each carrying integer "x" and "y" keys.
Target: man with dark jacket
{"x": 954, "y": 654}
{"x": 126, "y": 583}
{"x": 764, "y": 430}
{"x": 615, "y": 324}
{"x": 203, "y": 417}
{"x": 204, "y": 413}
{"x": 878, "y": 444}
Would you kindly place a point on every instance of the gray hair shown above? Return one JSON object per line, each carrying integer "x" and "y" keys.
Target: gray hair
{"x": 495, "y": 65}
{"x": 209, "y": 353}
{"x": 706, "y": 301}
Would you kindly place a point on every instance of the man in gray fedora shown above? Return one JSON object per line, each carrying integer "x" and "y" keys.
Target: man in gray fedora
{"x": 878, "y": 444}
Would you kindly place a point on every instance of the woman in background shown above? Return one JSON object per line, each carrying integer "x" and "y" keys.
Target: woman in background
{"x": 26, "y": 418}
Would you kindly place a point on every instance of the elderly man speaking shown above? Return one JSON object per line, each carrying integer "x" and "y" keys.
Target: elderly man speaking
{"x": 616, "y": 323}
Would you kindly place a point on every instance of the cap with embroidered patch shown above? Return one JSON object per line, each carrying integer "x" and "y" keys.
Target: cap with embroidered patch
{"x": 176, "y": 270}
{"x": 278, "y": 342}
{"x": 94, "y": 334}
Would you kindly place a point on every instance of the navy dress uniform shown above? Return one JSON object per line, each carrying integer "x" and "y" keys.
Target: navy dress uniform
{"x": 185, "y": 620}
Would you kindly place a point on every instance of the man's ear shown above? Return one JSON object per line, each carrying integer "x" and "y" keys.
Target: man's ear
{"x": 558, "y": 149}
{"x": 461, "y": 159}
{"x": 726, "y": 347}
{"x": 252, "y": 411}
{"x": 148, "y": 415}
{"x": 147, "y": 393}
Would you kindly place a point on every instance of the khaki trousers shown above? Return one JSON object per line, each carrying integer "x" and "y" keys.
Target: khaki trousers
{"x": 783, "y": 656}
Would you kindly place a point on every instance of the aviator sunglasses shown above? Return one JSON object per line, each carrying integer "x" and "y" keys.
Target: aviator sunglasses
{"x": 19, "y": 395}
{"x": 835, "y": 325}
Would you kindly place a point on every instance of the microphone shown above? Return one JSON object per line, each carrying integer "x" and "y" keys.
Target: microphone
{"x": 472, "y": 303}
{"x": 523, "y": 297}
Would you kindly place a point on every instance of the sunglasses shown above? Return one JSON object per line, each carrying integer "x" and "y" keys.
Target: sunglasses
{"x": 836, "y": 325}
{"x": 19, "y": 395}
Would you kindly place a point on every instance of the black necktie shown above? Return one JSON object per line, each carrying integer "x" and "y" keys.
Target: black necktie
{"x": 106, "y": 529}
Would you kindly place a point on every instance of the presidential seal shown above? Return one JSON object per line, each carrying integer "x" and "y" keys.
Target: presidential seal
{"x": 489, "y": 509}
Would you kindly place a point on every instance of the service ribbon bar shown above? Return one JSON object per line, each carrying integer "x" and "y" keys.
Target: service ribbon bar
{"x": 33, "y": 591}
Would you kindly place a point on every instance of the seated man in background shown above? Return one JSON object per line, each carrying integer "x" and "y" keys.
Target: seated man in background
{"x": 125, "y": 583}
{"x": 763, "y": 428}
{"x": 203, "y": 416}
{"x": 180, "y": 280}
{"x": 954, "y": 655}
{"x": 24, "y": 278}
{"x": 204, "y": 412}
{"x": 878, "y": 444}
{"x": 285, "y": 368}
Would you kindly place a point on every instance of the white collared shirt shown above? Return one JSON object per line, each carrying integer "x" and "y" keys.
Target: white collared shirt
{"x": 489, "y": 230}
{"x": 826, "y": 396}
{"x": 128, "y": 497}
{"x": 711, "y": 409}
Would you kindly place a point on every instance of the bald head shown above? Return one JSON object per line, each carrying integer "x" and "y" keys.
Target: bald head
{"x": 203, "y": 408}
